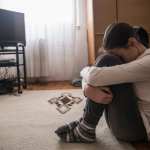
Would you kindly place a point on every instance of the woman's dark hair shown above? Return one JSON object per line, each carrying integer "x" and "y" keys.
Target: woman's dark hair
{"x": 117, "y": 35}
{"x": 141, "y": 35}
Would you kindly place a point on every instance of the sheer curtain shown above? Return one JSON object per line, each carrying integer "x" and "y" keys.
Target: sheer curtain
{"x": 56, "y": 37}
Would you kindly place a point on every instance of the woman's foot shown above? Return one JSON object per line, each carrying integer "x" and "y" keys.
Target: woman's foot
{"x": 65, "y": 132}
{"x": 76, "y": 132}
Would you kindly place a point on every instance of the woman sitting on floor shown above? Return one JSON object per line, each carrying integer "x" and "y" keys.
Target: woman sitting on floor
{"x": 121, "y": 107}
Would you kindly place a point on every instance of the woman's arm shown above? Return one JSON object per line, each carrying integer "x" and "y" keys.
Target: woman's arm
{"x": 98, "y": 95}
{"x": 138, "y": 70}
{"x": 101, "y": 94}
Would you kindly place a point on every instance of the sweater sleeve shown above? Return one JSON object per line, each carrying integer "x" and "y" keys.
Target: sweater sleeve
{"x": 135, "y": 71}
{"x": 103, "y": 61}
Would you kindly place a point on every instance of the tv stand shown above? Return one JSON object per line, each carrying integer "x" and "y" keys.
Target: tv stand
{"x": 16, "y": 49}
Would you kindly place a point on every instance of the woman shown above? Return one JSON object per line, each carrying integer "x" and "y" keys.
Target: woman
{"x": 119, "y": 42}
{"x": 136, "y": 72}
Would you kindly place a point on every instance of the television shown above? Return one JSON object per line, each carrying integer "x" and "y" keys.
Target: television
{"x": 12, "y": 27}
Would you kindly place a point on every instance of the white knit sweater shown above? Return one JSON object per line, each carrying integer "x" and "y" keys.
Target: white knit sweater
{"x": 137, "y": 72}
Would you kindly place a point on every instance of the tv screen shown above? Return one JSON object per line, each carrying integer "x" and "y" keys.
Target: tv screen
{"x": 12, "y": 27}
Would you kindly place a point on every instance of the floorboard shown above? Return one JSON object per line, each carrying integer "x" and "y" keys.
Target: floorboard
{"x": 51, "y": 86}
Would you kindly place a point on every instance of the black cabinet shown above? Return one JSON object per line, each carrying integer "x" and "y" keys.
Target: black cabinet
{"x": 16, "y": 49}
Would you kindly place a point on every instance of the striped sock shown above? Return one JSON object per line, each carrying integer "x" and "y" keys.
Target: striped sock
{"x": 80, "y": 132}
{"x": 85, "y": 132}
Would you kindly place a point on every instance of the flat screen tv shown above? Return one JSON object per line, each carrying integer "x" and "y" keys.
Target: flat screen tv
{"x": 12, "y": 27}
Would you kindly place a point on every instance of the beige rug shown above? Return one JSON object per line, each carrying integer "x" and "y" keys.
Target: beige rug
{"x": 27, "y": 122}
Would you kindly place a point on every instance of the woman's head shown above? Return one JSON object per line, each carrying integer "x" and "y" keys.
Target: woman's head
{"x": 117, "y": 35}
{"x": 121, "y": 39}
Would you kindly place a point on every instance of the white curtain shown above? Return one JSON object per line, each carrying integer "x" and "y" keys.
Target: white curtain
{"x": 56, "y": 37}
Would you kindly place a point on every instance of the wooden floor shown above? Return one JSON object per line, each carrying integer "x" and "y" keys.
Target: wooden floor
{"x": 67, "y": 85}
{"x": 52, "y": 86}
{"x": 141, "y": 146}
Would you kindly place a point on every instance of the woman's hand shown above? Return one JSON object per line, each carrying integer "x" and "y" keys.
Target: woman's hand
{"x": 98, "y": 95}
